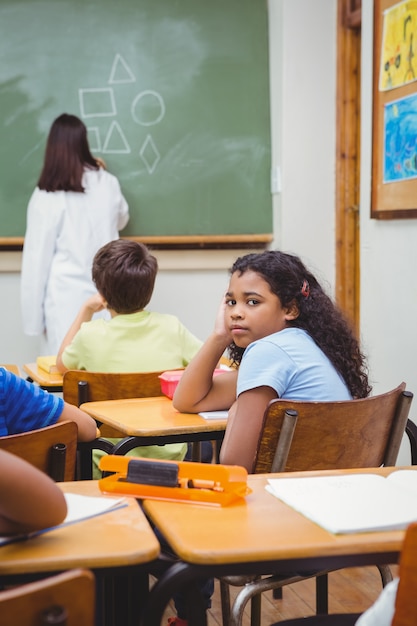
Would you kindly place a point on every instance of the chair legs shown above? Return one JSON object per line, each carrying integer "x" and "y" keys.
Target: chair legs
{"x": 386, "y": 574}
{"x": 232, "y": 616}
{"x": 254, "y": 587}
{"x": 252, "y": 590}
{"x": 322, "y": 591}
{"x": 225, "y": 602}
{"x": 322, "y": 594}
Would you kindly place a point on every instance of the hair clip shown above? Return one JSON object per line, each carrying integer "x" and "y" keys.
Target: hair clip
{"x": 305, "y": 289}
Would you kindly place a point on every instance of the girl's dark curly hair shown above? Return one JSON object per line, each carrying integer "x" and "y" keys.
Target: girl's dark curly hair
{"x": 290, "y": 280}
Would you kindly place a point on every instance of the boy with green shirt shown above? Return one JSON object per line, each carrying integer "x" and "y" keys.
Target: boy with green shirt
{"x": 133, "y": 339}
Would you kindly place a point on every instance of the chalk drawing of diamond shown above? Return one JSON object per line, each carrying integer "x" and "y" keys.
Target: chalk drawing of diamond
{"x": 149, "y": 154}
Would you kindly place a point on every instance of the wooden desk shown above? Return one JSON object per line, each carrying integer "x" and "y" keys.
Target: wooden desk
{"x": 11, "y": 368}
{"x": 260, "y": 535}
{"x": 116, "y": 546}
{"x": 50, "y": 382}
{"x": 151, "y": 421}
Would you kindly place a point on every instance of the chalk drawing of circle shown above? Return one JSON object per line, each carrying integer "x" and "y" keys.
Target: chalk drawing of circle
{"x": 148, "y": 108}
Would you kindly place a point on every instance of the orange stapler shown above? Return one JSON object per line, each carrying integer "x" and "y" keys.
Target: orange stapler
{"x": 173, "y": 480}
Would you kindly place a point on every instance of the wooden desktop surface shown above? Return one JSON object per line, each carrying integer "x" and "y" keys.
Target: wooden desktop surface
{"x": 115, "y": 539}
{"x": 259, "y": 528}
{"x": 11, "y": 368}
{"x": 259, "y": 535}
{"x": 43, "y": 378}
{"x": 145, "y": 417}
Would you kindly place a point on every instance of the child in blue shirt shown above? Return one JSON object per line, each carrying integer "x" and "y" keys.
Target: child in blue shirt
{"x": 25, "y": 406}
{"x": 288, "y": 339}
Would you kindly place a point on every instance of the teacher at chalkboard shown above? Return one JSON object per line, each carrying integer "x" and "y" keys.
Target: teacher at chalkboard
{"x": 76, "y": 208}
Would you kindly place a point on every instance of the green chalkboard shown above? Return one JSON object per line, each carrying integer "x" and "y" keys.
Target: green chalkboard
{"x": 175, "y": 96}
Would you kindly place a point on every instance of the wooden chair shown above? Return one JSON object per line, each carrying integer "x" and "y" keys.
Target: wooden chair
{"x": 67, "y": 598}
{"x": 52, "y": 449}
{"x": 405, "y": 613}
{"x": 411, "y": 432}
{"x": 321, "y": 436}
{"x": 406, "y": 600}
{"x": 80, "y": 386}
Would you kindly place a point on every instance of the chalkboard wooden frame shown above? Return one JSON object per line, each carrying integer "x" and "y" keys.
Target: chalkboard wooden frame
{"x": 168, "y": 243}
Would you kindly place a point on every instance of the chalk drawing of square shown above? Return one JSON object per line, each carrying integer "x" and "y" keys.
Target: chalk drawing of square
{"x": 94, "y": 140}
{"x": 97, "y": 102}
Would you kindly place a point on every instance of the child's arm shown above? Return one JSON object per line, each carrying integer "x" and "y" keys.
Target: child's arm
{"x": 92, "y": 305}
{"x": 244, "y": 426}
{"x": 198, "y": 390}
{"x": 29, "y": 499}
{"x": 87, "y": 427}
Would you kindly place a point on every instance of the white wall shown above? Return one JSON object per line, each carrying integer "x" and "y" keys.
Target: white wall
{"x": 388, "y": 262}
{"x": 308, "y": 132}
{"x": 388, "y": 265}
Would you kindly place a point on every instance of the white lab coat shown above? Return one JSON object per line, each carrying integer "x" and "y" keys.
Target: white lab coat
{"x": 64, "y": 230}
{"x": 382, "y": 611}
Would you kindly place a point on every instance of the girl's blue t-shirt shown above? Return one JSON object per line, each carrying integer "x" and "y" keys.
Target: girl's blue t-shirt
{"x": 25, "y": 406}
{"x": 294, "y": 366}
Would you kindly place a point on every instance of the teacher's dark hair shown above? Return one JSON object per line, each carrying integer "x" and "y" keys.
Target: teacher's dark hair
{"x": 293, "y": 283}
{"x": 67, "y": 154}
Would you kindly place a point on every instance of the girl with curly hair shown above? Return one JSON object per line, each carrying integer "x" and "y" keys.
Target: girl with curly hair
{"x": 287, "y": 339}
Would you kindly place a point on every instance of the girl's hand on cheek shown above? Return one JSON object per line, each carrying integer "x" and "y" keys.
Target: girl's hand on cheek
{"x": 220, "y": 327}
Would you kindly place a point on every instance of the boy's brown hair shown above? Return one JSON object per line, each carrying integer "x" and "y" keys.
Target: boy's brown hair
{"x": 124, "y": 273}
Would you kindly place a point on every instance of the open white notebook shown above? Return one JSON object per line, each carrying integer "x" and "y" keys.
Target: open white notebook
{"x": 214, "y": 415}
{"x": 352, "y": 503}
{"x": 79, "y": 508}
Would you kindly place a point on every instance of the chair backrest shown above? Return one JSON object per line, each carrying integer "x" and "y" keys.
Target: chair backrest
{"x": 80, "y": 386}
{"x": 411, "y": 432}
{"x": 405, "y": 613}
{"x": 52, "y": 449}
{"x": 67, "y": 598}
{"x": 334, "y": 435}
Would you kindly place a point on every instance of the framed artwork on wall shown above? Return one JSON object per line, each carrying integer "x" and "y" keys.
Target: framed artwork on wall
{"x": 394, "y": 132}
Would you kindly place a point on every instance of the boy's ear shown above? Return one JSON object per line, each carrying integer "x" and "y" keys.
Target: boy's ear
{"x": 292, "y": 311}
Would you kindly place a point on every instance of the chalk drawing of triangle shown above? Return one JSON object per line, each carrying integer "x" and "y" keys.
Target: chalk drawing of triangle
{"x": 121, "y": 72}
{"x": 116, "y": 142}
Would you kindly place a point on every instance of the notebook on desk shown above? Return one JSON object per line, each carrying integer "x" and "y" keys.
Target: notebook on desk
{"x": 79, "y": 508}
{"x": 352, "y": 503}
{"x": 214, "y": 415}
{"x": 47, "y": 364}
